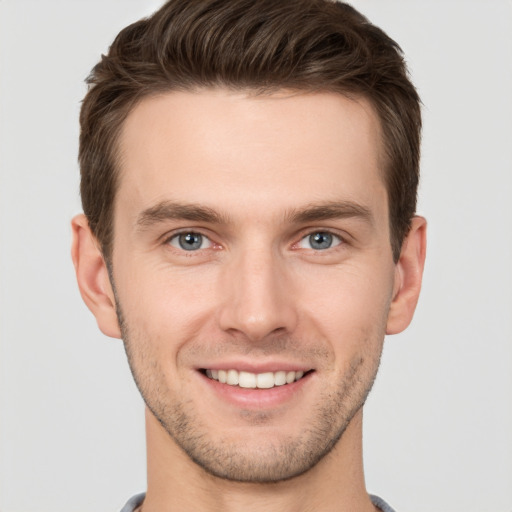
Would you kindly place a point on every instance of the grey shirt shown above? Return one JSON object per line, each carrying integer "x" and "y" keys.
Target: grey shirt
{"x": 134, "y": 502}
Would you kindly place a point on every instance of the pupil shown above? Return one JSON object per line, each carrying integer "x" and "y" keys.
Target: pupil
{"x": 190, "y": 241}
{"x": 320, "y": 241}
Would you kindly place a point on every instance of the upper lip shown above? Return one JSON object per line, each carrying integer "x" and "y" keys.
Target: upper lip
{"x": 256, "y": 367}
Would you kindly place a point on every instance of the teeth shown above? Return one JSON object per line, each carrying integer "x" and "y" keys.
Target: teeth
{"x": 279, "y": 378}
{"x": 265, "y": 380}
{"x": 232, "y": 378}
{"x": 254, "y": 380}
{"x": 246, "y": 379}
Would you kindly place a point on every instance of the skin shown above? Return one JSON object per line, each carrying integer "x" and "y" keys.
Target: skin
{"x": 255, "y": 176}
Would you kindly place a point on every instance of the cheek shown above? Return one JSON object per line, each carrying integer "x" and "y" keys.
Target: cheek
{"x": 163, "y": 303}
{"x": 348, "y": 306}
{"x": 344, "y": 304}
{"x": 350, "y": 289}
{"x": 163, "y": 311}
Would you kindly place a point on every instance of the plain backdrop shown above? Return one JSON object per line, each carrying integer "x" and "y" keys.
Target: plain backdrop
{"x": 438, "y": 431}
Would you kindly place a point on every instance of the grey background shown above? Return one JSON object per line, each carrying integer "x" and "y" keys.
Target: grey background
{"x": 438, "y": 433}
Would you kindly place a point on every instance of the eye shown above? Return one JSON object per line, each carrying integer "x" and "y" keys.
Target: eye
{"x": 190, "y": 241}
{"x": 319, "y": 241}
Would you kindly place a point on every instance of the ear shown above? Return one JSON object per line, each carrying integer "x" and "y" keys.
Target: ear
{"x": 408, "y": 276}
{"x": 92, "y": 276}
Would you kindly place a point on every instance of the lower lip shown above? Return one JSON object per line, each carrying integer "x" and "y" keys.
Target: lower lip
{"x": 250, "y": 398}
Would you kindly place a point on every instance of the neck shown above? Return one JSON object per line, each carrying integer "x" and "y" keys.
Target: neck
{"x": 176, "y": 483}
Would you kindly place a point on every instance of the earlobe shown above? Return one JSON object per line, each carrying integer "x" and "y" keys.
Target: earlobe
{"x": 408, "y": 277}
{"x": 92, "y": 277}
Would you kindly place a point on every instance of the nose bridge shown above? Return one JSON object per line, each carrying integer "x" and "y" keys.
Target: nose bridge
{"x": 257, "y": 301}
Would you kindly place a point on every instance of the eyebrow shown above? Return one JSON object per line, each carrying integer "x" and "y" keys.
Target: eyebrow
{"x": 170, "y": 210}
{"x": 331, "y": 210}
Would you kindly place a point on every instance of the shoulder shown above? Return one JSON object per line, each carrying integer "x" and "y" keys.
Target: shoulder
{"x": 378, "y": 502}
{"x": 134, "y": 502}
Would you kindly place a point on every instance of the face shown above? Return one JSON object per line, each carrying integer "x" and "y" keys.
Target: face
{"x": 253, "y": 272}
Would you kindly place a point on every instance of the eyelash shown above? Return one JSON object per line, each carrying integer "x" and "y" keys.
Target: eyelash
{"x": 175, "y": 236}
{"x": 212, "y": 245}
{"x": 335, "y": 239}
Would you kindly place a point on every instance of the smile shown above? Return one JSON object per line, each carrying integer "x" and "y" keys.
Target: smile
{"x": 250, "y": 380}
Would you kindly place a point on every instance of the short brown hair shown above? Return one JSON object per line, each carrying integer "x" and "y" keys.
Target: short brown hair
{"x": 261, "y": 45}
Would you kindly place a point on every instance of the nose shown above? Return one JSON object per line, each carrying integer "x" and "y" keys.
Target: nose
{"x": 257, "y": 296}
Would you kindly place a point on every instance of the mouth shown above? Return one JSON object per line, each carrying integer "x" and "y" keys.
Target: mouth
{"x": 248, "y": 380}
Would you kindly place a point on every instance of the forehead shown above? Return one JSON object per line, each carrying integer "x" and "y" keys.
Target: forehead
{"x": 248, "y": 151}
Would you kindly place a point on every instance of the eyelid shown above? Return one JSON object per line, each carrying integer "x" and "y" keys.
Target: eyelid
{"x": 339, "y": 238}
{"x": 342, "y": 238}
{"x": 173, "y": 235}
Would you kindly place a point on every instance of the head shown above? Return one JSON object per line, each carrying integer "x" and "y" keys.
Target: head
{"x": 261, "y": 47}
{"x": 249, "y": 175}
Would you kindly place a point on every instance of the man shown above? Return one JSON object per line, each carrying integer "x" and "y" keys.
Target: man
{"x": 249, "y": 175}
